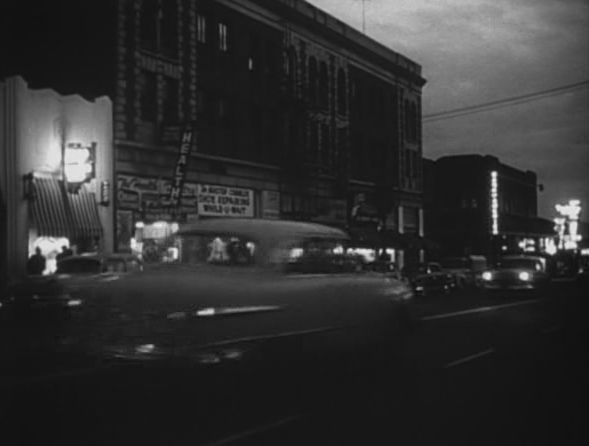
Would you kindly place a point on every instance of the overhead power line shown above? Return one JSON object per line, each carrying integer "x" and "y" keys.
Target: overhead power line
{"x": 506, "y": 102}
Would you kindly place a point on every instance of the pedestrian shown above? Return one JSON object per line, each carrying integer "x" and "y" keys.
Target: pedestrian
{"x": 36, "y": 263}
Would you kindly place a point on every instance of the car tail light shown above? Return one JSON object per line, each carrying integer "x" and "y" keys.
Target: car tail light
{"x": 487, "y": 275}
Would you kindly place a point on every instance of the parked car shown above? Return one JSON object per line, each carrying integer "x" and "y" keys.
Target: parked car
{"x": 429, "y": 278}
{"x": 250, "y": 290}
{"x": 517, "y": 273}
{"x": 466, "y": 270}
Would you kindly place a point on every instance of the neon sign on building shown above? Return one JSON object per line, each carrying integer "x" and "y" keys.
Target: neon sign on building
{"x": 494, "y": 200}
{"x": 569, "y": 220}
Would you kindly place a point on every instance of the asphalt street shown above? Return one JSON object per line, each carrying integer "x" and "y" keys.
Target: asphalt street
{"x": 476, "y": 369}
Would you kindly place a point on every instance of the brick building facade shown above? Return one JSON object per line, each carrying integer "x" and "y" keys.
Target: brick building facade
{"x": 299, "y": 114}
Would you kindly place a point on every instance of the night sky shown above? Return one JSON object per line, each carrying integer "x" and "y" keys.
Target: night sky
{"x": 478, "y": 51}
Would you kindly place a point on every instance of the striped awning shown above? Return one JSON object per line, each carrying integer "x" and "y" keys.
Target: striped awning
{"x": 58, "y": 213}
{"x": 49, "y": 210}
{"x": 86, "y": 222}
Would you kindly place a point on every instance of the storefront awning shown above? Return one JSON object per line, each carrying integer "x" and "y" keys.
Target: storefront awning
{"x": 49, "y": 210}
{"x": 86, "y": 222}
{"x": 57, "y": 213}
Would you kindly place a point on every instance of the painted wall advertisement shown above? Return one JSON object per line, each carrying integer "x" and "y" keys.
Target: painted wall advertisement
{"x": 224, "y": 201}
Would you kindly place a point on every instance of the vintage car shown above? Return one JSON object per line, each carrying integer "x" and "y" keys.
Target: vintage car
{"x": 429, "y": 278}
{"x": 516, "y": 273}
{"x": 42, "y": 295}
{"x": 92, "y": 264}
{"x": 244, "y": 290}
{"x": 466, "y": 270}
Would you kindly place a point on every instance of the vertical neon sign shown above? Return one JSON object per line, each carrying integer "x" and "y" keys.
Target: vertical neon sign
{"x": 494, "y": 203}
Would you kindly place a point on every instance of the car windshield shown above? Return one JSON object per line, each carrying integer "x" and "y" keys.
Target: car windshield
{"x": 520, "y": 263}
{"x": 196, "y": 249}
{"x": 307, "y": 255}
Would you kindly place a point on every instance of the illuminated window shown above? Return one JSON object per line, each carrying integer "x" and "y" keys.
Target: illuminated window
{"x": 223, "y": 37}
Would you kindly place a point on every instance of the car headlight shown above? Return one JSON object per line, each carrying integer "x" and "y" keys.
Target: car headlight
{"x": 487, "y": 275}
{"x": 524, "y": 276}
{"x": 74, "y": 302}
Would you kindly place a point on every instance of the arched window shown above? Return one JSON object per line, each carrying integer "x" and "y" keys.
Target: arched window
{"x": 291, "y": 68}
{"x": 313, "y": 80}
{"x": 341, "y": 92}
{"x": 323, "y": 85}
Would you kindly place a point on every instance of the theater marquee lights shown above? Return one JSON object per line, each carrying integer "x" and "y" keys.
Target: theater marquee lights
{"x": 494, "y": 200}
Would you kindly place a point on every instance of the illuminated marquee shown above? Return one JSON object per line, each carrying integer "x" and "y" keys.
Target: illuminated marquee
{"x": 494, "y": 192}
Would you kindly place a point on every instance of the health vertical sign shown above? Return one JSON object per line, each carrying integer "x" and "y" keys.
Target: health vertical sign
{"x": 180, "y": 170}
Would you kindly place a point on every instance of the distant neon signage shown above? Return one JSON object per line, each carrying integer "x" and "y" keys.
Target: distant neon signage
{"x": 494, "y": 195}
{"x": 569, "y": 220}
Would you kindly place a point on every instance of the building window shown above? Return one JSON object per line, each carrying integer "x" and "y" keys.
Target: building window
{"x": 325, "y": 146}
{"x": 313, "y": 143}
{"x": 341, "y": 92}
{"x": 149, "y": 17}
{"x": 223, "y": 46}
{"x": 201, "y": 29}
{"x": 170, "y": 101}
{"x": 323, "y": 85}
{"x": 313, "y": 81}
{"x": 291, "y": 69}
{"x": 169, "y": 16}
{"x": 148, "y": 96}
{"x": 221, "y": 109}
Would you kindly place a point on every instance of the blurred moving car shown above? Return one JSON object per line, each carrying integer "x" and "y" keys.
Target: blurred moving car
{"x": 98, "y": 264}
{"x": 466, "y": 270}
{"x": 429, "y": 278}
{"x": 248, "y": 290}
{"x": 516, "y": 273}
{"x": 63, "y": 289}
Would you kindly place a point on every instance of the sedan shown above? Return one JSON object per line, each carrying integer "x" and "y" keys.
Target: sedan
{"x": 52, "y": 297}
{"x": 429, "y": 278}
{"x": 516, "y": 273}
{"x": 251, "y": 291}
